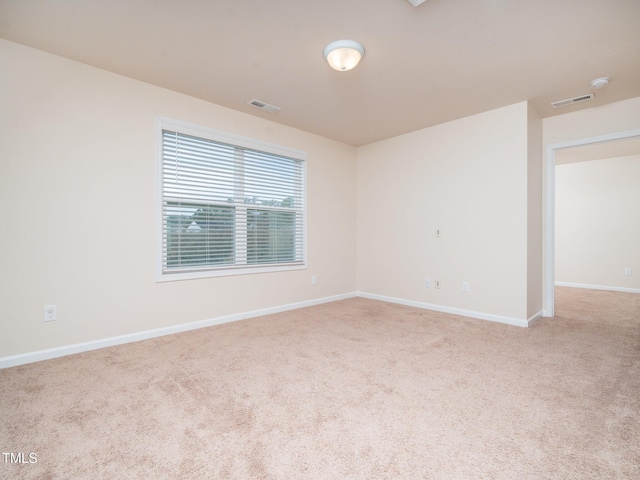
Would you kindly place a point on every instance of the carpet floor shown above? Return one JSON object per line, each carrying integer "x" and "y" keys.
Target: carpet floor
{"x": 356, "y": 389}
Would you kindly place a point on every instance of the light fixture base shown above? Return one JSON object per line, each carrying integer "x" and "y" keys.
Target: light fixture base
{"x": 343, "y": 55}
{"x": 599, "y": 83}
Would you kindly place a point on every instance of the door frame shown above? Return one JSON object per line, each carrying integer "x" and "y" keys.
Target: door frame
{"x": 550, "y": 206}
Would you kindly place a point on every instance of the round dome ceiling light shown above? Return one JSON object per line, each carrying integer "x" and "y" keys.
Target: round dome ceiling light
{"x": 343, "y": 55}
{"x": 599, "y": 83}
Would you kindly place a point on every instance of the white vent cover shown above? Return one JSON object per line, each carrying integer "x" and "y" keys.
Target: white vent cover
{"x": 415, "y": 3}
{"x": 569, "y": 101}
{"x": 263, "y": 106}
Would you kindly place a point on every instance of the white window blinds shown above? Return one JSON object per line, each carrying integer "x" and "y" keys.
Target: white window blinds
{"x": 227, "y": 206}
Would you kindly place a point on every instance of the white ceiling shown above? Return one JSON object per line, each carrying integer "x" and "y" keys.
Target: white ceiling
{"x": 424, "y": 65}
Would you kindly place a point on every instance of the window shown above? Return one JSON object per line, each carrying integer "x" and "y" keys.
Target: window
{"x": 228, "y": 204}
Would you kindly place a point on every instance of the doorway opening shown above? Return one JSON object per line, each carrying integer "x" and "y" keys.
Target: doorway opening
{"x": 550, "y": 181}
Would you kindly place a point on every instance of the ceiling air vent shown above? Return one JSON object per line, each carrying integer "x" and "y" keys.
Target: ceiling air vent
{"x": 263, "y": 106}
{"x": 415, "y": 3}
{"x": 570, "y": 101}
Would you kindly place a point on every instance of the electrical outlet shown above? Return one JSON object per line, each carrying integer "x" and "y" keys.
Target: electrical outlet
{"x": 314, "y": 280}
{"x": 437, "y": 232}
{"x": 437, "y": 283}
{"x": 50, "y": 313}
{"x": 465, "y": 287}
{"x": 427, "y": 282}
{"x": 627, "y": 271}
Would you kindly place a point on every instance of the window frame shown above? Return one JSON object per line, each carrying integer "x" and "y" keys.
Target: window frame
{"x": 215, "y": 135}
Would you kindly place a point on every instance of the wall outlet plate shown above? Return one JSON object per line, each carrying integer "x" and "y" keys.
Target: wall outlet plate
{"x": 50, "y": 313}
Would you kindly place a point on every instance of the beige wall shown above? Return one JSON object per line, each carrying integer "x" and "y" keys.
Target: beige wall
{"x": 77, "y": 179}
{"x": 597, "y": 222}
{"x": 535, "y": 213}
{"x": 467, "y": 178}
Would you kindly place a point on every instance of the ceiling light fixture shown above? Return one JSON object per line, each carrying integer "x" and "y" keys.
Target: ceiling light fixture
{"x": 599, "y": 83}
{"x": 343, "y": 55}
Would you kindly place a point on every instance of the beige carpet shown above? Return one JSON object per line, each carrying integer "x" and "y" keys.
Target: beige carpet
{"x": 356, "y": 389}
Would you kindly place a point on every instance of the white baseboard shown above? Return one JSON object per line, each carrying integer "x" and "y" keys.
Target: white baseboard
{"x": 22, "y": 359}
{"x": 15, "y": 360}
{"x": 455, "y": 311}
{"x": 534, "y": 318}
{"x": 598, "y": 287}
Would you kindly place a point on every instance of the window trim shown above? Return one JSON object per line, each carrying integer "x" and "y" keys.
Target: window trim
{"x": 163, "y": 123}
